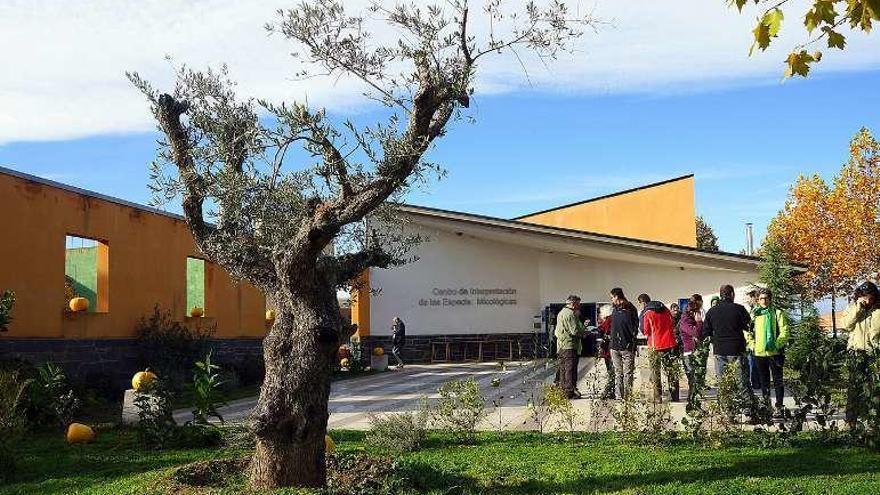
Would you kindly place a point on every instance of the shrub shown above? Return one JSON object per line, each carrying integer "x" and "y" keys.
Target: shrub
{"x": 156, "y": 427}
{"x": 7, "y": 301}
{"x": 352, "y": 474}
{"x": 818, "y": 362}
{"x": 169, "y": 347}
{"x": 460, "y": 409}
{"x": 559, "y": 407}
{"x": 51, "y": 398}
{"x": 399, "y": 432}
{"x": 12, "y": 419}
{"x": 356, "y": 362}
{"x": 206, "y": 391}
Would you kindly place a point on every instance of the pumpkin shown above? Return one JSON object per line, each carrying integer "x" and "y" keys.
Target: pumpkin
{"x": 143, "y": 380}
{"x": 270, "y": 315}
{"x": 78, "y": 304}
{"x": 197, "y": 312}
{"x": 378, "y": 351}
{"x": 344, "y": 363}
{"x": 329, "y": 444}
{"x": 79, "y": 433}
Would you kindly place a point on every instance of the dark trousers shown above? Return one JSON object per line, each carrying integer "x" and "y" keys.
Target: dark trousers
{"x": 568, "y": 369}
{"x": 770, "y": 372}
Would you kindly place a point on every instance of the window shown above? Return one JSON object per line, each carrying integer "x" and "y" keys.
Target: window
{"x": 195, "y": 287}
{"x": 86, "y": 272}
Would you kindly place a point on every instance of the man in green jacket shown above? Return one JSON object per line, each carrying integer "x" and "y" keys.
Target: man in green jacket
{"x": 862, "y": 323}
{"x": 767, "y": 338}
{"x": 569, "y": 331}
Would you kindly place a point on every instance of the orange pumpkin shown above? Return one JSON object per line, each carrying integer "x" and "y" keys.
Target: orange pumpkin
{"x": 344, "y": 363}
{"x": 78, "y": 304}
{"x": 197, "y": 312}
{"x": 270, "y": 315}
{"x": 143, "y": 380}
{"x": 79, "y": 433}
{"x": 378, "y": 351}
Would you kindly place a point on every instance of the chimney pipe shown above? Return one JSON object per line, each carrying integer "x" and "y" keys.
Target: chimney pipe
{"x": 750, "y": 243}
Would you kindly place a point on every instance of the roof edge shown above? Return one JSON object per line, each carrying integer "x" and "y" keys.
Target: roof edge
{"x": 86, "y": 192}
{"x": 619, "y": 193}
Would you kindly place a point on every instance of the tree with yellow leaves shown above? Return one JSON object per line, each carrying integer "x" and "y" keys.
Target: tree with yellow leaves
{"x": 833, "y": 230}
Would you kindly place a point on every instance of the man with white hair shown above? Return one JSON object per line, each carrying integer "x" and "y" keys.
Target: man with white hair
{"x": 569, "y": 330}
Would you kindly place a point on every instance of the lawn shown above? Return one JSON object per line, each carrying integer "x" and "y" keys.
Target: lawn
{"x": 514, "y": 463}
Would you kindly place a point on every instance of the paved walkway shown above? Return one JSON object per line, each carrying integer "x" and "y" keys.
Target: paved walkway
{"x": 354, "y": 401}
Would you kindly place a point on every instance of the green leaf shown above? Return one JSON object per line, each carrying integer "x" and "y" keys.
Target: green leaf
{"x": 822, "y": 13}
{"x": 768, "y": 28}
{"x": 738, "y": 3}
{"x": 799, "y": 63}
{"x": 835, "y": 39}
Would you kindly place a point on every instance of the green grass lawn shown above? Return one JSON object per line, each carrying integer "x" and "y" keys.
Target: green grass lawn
{"x": 503, "y": 463}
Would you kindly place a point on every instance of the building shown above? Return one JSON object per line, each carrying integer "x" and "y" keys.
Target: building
{"x": 481, "y": 284}
{"x": 479, "y": 287}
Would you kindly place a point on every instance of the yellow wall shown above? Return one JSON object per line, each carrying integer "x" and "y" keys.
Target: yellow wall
{"x": 146, "y": 263}
{"x": 664, "y": 212}
{"x": 360, "y": 304}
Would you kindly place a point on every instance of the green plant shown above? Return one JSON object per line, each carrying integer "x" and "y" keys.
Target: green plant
{"x": 356, "y": 362}
{"x": 207, "y": 396}
{"x": 399, "y": 432}
{"x": 559, "y": 408}
{"x": 170, "y": 347}
{"x": 460, "y": 408}
{"x": 818, "y": 364}
{"x": 7, "y": 301}
{"x": 52, "y": 400}
{"x": 156, "y": 427}
{"x": 13, "y": 419}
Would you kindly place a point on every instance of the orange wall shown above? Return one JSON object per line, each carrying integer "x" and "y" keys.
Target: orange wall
{"x": 660, "y": 213}
{"x": 147, "y": 266}
{"x": 360, "y": 304}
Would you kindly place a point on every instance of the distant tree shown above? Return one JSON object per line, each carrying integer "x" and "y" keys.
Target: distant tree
{"x": 825, "y": 18}
{"x": 272, "y": 223}
{"x": 834, "y": 230}
{"x": 706, "y": 238}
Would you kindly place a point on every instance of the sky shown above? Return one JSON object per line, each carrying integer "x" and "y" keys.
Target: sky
{"x": 657, "y": 90}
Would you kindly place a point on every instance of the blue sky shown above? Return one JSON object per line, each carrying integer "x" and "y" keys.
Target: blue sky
{"x": 532, "y": 150}
{"x": 658, "y": 90}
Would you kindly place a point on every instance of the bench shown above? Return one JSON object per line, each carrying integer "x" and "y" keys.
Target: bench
{"x": 447, "y": 346}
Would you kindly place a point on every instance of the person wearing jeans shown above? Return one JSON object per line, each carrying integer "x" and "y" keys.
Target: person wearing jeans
{"x": 690, "y": 329}
{"x": 726, "y": 325}
{"x": 398, "y": 339}
{"x": 624, "y": 328}
{"x": 766, "y": 341}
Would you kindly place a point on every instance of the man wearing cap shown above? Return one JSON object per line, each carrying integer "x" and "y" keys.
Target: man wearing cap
{"x": 569, "y": 331}
{"x": 862, "y": 323}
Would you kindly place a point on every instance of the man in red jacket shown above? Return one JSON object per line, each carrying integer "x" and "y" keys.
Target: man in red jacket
{"x": 658, "y": 327}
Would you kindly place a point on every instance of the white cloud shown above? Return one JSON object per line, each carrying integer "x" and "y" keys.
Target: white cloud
{"x": 64, "y": 62}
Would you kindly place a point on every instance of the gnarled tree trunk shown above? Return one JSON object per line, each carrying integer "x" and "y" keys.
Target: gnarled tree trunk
{"x": 290, "y": 419}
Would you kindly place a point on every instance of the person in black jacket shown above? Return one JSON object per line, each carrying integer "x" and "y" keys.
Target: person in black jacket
{"x": 398, "y": 339}
{"x": 624, "y": 328}
{"x": 725, "y": 324}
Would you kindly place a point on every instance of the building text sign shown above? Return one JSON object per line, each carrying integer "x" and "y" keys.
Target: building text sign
{"x": 469, "y": 296}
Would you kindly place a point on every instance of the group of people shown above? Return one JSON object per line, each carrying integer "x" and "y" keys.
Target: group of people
{"x": 674, "y": 336}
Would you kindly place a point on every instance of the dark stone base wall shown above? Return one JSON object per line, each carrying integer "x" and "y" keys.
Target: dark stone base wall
{"x": 116, "y": 360}
{"x": 418, "y": 348}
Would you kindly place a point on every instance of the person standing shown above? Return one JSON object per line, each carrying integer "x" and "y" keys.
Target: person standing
{"x": 726, "y": 325}
{"x": 568, "y": 332}
{"x": 605, "y": 317}
{"x": 862, "y": 323}
{"x": 766, "y": 340}
{"x": 624, "y": 329}
{"x": 658, "y": 326}
{"x": 676, "y": 314}
{"x": 754, "y": 373}
{"x": 691, "y": 331}
{"x": 398, "y": 339}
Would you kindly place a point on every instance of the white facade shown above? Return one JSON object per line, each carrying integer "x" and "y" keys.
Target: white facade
{"x": 474, "y": 279}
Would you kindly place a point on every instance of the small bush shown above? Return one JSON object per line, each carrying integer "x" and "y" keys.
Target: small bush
{"x": 169, "y": 347}
{"x": 353, "y": 474}
{"x": 460, "y": 409}
{"x": 156, "y": 427}
{"x": 196, "y": 436}
{"x": 52, "y": 400}
{"x": 206, "y": 391}
{"x": 399, "y": 432}
{"x": 13, "y": 419}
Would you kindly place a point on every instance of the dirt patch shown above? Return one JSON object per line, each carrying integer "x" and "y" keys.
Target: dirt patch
{"x": 209, "y": 473}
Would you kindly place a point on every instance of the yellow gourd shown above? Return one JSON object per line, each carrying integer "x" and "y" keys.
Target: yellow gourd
{"x": 142, "y": 380}
{"x": 79, "y": 433}
{"x": 270, "y": 316}
{"x": 78, "y": 304}
{"x": 197, "y": 312}
{"x": 344, "y": 363}
{"x": 329, "y": 444}
{"x": 378, "y": 351}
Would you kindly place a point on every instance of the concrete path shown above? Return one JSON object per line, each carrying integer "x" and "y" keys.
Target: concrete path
{"x": 353, "y": 402}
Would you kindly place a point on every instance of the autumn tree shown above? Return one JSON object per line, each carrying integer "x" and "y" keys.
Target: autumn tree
{"x": 824, "y": 22}
{"x": 706, "y": 238}
{"x": 271, "y": 222}
{"x": 833, "y": 229}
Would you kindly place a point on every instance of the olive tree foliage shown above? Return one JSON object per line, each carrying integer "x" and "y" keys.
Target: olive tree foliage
{"x": 277, "y": 192}
{"x": 823, "y": 20}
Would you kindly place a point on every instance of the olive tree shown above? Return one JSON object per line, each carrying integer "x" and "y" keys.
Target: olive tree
{"x": 277, "y": 193}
